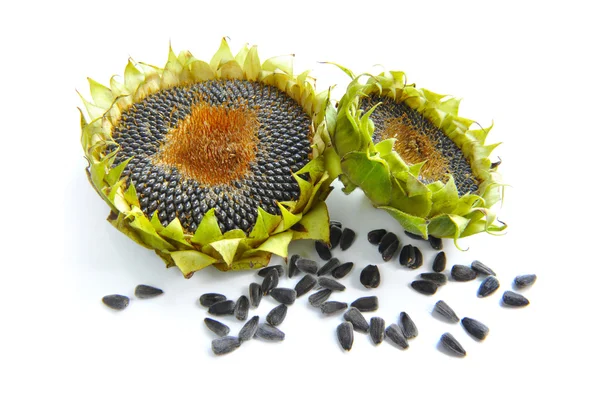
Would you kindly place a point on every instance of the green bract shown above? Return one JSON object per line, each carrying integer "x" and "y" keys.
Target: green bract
{"x": 303, "y": 218}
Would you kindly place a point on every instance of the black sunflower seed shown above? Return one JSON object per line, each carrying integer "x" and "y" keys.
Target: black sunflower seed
{"x": 249, "y": 329}
{"x": 513, "y": 299}
{"x": 389, "y": 252}
{"x": 452, "y": 345}
{"x": 286, "y": 296}
{"x": 424, "y": 287}
{"x": 270, "y": 281}
{"x": 525, "y": 280}
{"x": 269, "y": 333}
{"x": 438, "y": 278}
{"x": 335, "y": 223}
{"x": 335, "y": 234}
{"x": 394, "y": 334}
{"x": 211, "y": 298}
{"x": 348, "y": 236}
{"x": 307, "y": 265}
{"x": 375, "y": 236}
{"x": 265, "y": 270}
{"x": 407, "y": 255}
{"x": 305, "y": 284}
{"x": 342, "y": 270}
{"x": 224, "y": 345}
{"x": 330, "y": 307}
{"x": 463, "y": 273}
{"x": 217, "y": 327}
{"x": 370, "y": 277}
{"x": 322, "y": 250}
{"x": 377, "y": 330}
{"x": 488, "y": 286}
{"x": 319, "y": 297}
{"x": 222, "y": 308}
{"x": 408, "y": 327}
{"x": 241, "y": 308}
{"x": 358, "y": 321}
{"x": 443, "y": 309}
{"x": 439, "y": 263}
{"x": 414, "y": 236}
{"x": 480, "y": 268}
{"x": 418, "y": 259}
{"x": 277, "y": 315}
{"x": 145, "y": 291}
{"x": 345, "y": 335}
{"x": 436, "y": 243}
{"x": 116, "y": 301}
{"x": 387, "y": 239}
{"x": 366, "y": 304}
{"x": 328, "y": 266}
{"x": 476, "y": 328}
{"x": 331, "y": 284}
{"x": 255, "y": 293}
{"x": 292, "y": 269}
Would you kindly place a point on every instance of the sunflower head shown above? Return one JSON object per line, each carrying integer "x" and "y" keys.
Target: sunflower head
{"x": 211, "y": 163}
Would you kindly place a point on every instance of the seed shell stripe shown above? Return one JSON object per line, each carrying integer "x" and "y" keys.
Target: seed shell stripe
{"x": 211, "y": 298}
{"x": 305, "y": 284}
{"x": 307, "y": 265}
{"x": 269, "y": 333}
{"x": 525, "y": 280}
{"x": 217, "y": 327}
{"x": 331, "y": 307}
{"x": 241, "y": 308}
{"x": 249, "y": 329}
{"x": 285, "y": 296}
{"x": 480, "y": 268}
{"x": 463, "y": 273}
{"x": 145, "y": 291}
{"x": 488, "y": 287}
{"x": 366, "y": 304}
{"x": 443, "y": 309}
{"x": 331, "y": 284}
{"x": 377, "y": 330}
{"x": 255, "y": 294}
{"x": 345, "y": 335}
{"x": 358, "y": 321}
{"x": 424, "y": 287}
{"x": 222, "y": 308}
{"x": 224, "y": 345}
{"x": 476, "y": 328}
{"x": 116, "y": 301}
{"x": 270, "y": 281}
{"x": 438, "y": 278}
{"x": 277, "y": 315}
{"x": 328, "y": 267}
{"x": 513, "y": 299}
{"x": 394, "y": 334}
{"x": 319, "y": 297}
{"x": 452, "y": 345}
{"x": 408, "y": 326}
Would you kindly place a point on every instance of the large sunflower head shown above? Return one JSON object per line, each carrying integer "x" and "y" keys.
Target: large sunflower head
{"x": 415, "y": 157}
{"x": 211, "y": 163}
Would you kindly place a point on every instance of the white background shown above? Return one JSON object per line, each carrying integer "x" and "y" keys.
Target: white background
{"x": 530, "y": 67}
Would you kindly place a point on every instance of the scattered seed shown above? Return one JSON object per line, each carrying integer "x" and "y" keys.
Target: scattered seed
{"x": 370, "y": 277}
{"x": 389, "y": 252}
{"x": 292, "y": 268}
{"x": 319, "y": 297}
{"x": 277, "y": 315}
{"x": 375, "y": 236}
{"x": 424, "y": 287}
{"x": 270, "y": 281}
{"x": 480, "y": 268}
{"x": 525, "y": 280}
{"x": 145, "y": 291}
{"x": 286, "y": 296}
{"x": 414, "y": 236}
{"x": 116, "y": 301}
{"x": 452, "y": 345}
{"x": 224, "y": 345}
{"x": 211, "y": 298}
{"x": 222, "y": 308}
{"x": 488, "y": 286}
{"x": 345, "y": 335}
{"x": 513, "y": 299}
{"x": 305, "y": 284}
{"x": 366, "y": 304}
{"x": 436, "y": 243}
{"x": 358, "y": 321}
{"x": 330, "y": 307}
{"x": 463, "y": 273}
{"x": 418, "y": 259}
{"x": 331, "y": 284}
{"x": 342, "y": 270}
{"x": 438, "y": 278}
{"x": 408, "y": 327}
{"x": 446, "y": 311}
{"x": 439, "y": 263}
{"x": 269, "y": 333}
{"x": 307, "y": 265}
{"x": 328, "y": 266}
{"x": 217, "y": 327}
{"x": 377, "y": 330}
{"x": 241, "y": 308}
{"x": 265, "y": 270}
{"x": 387, "y": 239}
{"x": 255, "y": 293}
{"x": 407, "y": 255}
{"x": 249, "y": 329}
{"x": 322, "y": 250}
{"x": 335, "y": 223}
{"x": 476, "y": 328}
{"x": 335, "y": 234}
{"x": 394, "y": 334}
{"x": 348, "y": 236}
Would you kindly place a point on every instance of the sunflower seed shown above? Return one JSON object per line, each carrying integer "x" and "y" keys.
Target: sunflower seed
{"x": 307, "y": 265}
{"x": 270, "y": 281}
{"x": 418, "y": 259}
{"x": 292, "y": 268}
{"x": 446, "y": 311}
{"x": 328, "y": 266}
{"x": 480, "y": 268}
{"x": 222, "y": 308}
{"x": 438, "y": 278}
{"x": 277, "y": 315}
{"x": 389, "y": 252}
{"x": 408, "y": 327}
{"x": 331, "y": 284}
{"x": 463, "y": 273}
{"x": 224, "y": 345}
{"x": 335, "y": 234}
{"x": 345, "y": 335}
{"x": 335, "y": 223}
{"x": 452, "y": 345}
{"x": 241, "y": 308}
{"x": 269, "y": 333}
{"x": 394, "y": 333}
{"x": 265, "y": 270}
{"x": 513, "y": 299}
{"x": 286, "y": 296}
{"x": 322, "y": 250}
{"x": 488, "y": 286}
{"x": 525, "y": 280}
{"x": 424, "y": 287}
{"x": 387, "y": 239}
{"x": 476, "y": 328}
{"x": 305, "y": 284}
{"x": 217, "y": 327}
{"x": 407, "y": 255}
{"x": 319, "y": 297}
{"x": 366, "y": 304}
{"x": 116, "y": 301}
{"x": 358, "y": 321}
{"x": 145, "y": 291}
{"x": 377, "y": 330}
{"x": 370, "y": 277}
{"x": 348, "y": 236}
{"x": 375, "y": 236}
{"x": 211, "y": 298}
{"x": 249, "y": 329}
{"x": 330, "y": 307}
{"x": 436, "y": 243}
{"x": 439, "y": 263}
{"x": 342, "y": 270}
{"x": 255, "y": 293}
{"x": 414, "y": 236}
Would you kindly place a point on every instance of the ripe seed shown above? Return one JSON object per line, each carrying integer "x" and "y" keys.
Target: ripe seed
{"x": 439, "y": 263}
{"x": 305, "y": 284}
{"x": 408, "y": 327}
{"x": 328, "y": 267}
{"x": 217, "y": 327}
{"x": 277, "y": 315}
{"x": 370, "y": 277}
{"x": 348, "y": 236}
{"x": 452, "y": 345}
{"x": 414, "y": 236}
{"x": 292, "y": 268}
{"x": 358, "y": 321}
{"x": 525, "y": 280}
{"x": 345, "y": 335}
{"x": 342, "y": 270}
{"x": 513, "y": 299}
{"x": 255, "y": 293}
{"x": 222, "y": 308}
{"x": 463, "y": 273}
{"x": 249, "y": 329}
{"x": 377, "y": 330}
{"x": 394, "y": 334}
{"x": 224, "y": 345}
{"x": 331, "y": 284}
{"x": 366, "y": 304}
{"x": 145, "y": 291}
{"x": 389, "y": 252}
{"x": 375, "y": 236}
{"x": 418, "y": 259}
{"x": 387, "y": 239}
{"x": 319, "y": 297}
{"x": 241, "y": 308}
{"x": 211, "y": 298}
{"x": 270, "y": 281}
{"x": 307, "y": 265}
{"x": 265, "y": 270}
{"x": 480, "y": 268}
{"x": 424, "y": 287}
{"x": 116, "y": 301}
{"x": 488, "y": 286}
{"x": 269, "y": 333}
{"x": 322, "y": 250}
{"x": 331, "y": 307}
{"x": 286, "y": 296}
{"x": 438, "y": 278}
{"x": 335, "y": 234}
{"x": 407, "y": 255}
{"x": 446, "y": 311}
{"x": 436, "y": 243}
{"x": 476, "y": 328}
